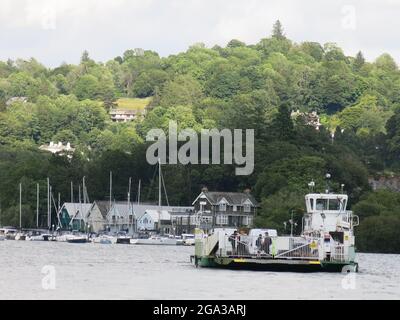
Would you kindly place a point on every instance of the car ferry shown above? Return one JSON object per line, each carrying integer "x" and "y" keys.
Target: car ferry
{"x": 326, "y": 243}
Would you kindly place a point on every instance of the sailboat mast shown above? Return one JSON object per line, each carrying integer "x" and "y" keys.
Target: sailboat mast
{"x": 37, "y": 205}
{"x": 48, "y": 202}
{"x": 50, "y": 195}
{"x": 129, "y": 202}
{"x": 138, "y": 200}
{"x": 159, "y": 183}
{"x": 84, "y": 189}
{"x": 72, "y": 192}
{"x": 20, "y": 206}
{"x": 110, "y": 189}
{"x": 159, "y": 195}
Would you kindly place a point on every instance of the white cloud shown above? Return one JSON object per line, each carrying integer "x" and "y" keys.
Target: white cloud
{"x": 56, "y": 31}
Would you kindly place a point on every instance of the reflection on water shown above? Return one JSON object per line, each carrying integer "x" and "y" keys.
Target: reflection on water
{"x": 96, "y": 271}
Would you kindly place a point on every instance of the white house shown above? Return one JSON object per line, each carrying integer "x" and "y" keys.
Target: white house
{"x": 150, "y": 221}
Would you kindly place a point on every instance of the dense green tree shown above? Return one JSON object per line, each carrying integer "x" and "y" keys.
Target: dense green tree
{"x": 183, "y": 90}
{"x": 359, "y": 61}
{"x": 238, "y": 86}
{"x": 277, "y": 30}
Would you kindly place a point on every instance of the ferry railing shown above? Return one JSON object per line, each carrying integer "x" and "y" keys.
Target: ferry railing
{"x": 251, "y": 247}
{"x": 242, "y": 247}
{"x": 338, "y": 253}
{"x": 307, "y": 250}
{"x": 291, "y": 248}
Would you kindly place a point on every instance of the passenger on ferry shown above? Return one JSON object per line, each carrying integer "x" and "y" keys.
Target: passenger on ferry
{"x": 266, "y": 243}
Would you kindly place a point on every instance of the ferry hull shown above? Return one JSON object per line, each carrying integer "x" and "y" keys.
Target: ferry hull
{"x": 279, "y": 265}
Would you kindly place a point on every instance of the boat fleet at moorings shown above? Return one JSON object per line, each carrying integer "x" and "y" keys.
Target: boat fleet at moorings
{"x": 117, "y": 237}
{"x": 10, "y": 233}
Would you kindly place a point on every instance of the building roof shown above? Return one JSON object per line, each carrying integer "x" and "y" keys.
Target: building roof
{"x": 157, "y": 214}
{"x": 233, "y": 198}
{"x": 121, "y": 209}
{"x": 124, "y": 112}
{"x": 57, "y": 147}
{"x": 77, "y": 210}
{"x": 104, "y": 207}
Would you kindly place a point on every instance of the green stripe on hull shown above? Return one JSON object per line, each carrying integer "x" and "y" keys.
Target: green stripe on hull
{"x": 274, "y": 265}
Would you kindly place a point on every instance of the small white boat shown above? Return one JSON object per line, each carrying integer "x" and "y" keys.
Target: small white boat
{"x": 20, "y": 236}
{"x": 2, "y": 235}
{"x": 8, "y": 233}
{"x": 155, "y": 240}
{"x": 34, "y": 236}
{"x": 104, "y": 239}
{"x": 76, "y": 239}
{"x": 123, "y": 238}
{"x": 186, "y": 240}
{"x": 62, "y": 238}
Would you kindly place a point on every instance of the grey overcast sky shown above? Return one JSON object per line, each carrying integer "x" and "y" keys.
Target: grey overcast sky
{"x": 56, "y": 31}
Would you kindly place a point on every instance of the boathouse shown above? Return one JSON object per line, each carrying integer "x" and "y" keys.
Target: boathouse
{"x": 73, "y": 216}
{"x": 155, "y": 220}
{"x": 97, "y": 216}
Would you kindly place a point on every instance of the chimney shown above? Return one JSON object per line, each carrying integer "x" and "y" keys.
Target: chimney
{"x": 247, "y": 191}
{"x": 204, "y": 189}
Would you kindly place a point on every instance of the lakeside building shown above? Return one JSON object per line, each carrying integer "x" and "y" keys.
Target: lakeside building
{"x": 58, "y": 148}
{"x": 155, "y": 220}
{"x": 120, "y": 115}
{"x": 73, "y": 216}
{"x": 209, "y": 210}
{"x": 225, "y": 209}
{"x": 311, "y": 118}
{"x": 97, "y": 215}
{"x": 128, "y": 218}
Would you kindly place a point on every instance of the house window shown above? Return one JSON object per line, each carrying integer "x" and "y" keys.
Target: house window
{"x": 145, "y": 221}
{"x": 130, "y": 218}
{"x": 206, "y": 219}
{"x": 234, "y": 208}
{"x": 222, "y": 207}
{"x": 246, "y": 207}
{"x": 222, "y": 219}
{"x": 113, "y": 218}
{"x": 194, "y": 220}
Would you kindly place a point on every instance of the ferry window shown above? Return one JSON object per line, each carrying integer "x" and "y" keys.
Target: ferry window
{"x": 312, "y": 204}
{"x": 334, "y": 204}
{"x": 344, "y": 204}
{"x": 322, "y": 204}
